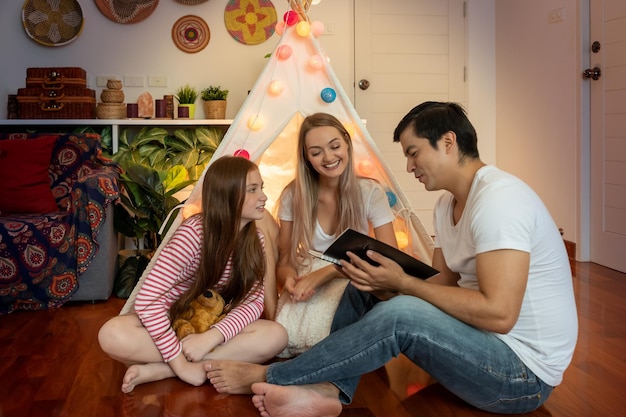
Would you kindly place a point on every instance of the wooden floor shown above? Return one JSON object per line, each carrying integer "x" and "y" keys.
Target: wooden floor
{"x": 52, "y": 366}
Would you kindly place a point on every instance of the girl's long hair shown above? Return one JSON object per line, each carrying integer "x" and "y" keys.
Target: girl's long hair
{"x": 305, "y": 188}
{"x": 223, "y": 195}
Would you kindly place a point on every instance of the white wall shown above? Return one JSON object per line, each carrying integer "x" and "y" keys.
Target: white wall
{"x": 538, "y": 79}
{"x": 108, "y": 48}
{"x": 533, "y": 133}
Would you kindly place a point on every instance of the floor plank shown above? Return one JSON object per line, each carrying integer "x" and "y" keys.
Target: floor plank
{"x": 52, "y": 366}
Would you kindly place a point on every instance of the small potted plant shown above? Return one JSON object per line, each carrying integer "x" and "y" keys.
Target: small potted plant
{"x": 214, "y": 98}
{"x": 186, "y": 97}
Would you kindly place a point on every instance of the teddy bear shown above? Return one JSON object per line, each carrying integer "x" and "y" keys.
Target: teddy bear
{"x": 206, "y": 310}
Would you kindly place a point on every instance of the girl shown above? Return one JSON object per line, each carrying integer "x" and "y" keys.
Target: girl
{"x": 219, "y": 248}
{"x": 324, "y": 199}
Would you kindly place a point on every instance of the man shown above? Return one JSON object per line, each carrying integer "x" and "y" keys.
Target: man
{"x": 497, "y": 326}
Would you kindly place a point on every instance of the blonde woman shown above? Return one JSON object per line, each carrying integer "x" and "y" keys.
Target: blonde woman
{"x": 324, "y": 199}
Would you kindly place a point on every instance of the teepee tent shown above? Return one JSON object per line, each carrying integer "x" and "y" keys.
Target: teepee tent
{"x": 298, "y": 81}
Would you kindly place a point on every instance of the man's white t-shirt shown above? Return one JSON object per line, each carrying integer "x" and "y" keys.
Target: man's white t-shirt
{"x": 502, "y": 212}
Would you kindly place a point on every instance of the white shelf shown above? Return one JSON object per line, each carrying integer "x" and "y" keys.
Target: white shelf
{"x": 116, "y": 123}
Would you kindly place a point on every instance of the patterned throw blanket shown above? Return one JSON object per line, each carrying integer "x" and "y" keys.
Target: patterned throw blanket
{"x": 43, "y": 255}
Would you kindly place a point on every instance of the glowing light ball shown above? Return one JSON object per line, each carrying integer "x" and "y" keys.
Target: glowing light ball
{"x": 275, "y": 88}
{"x": 279, "y": 28}
{"x": 316, "y": 62}
{"x": 391, "y": 198}
{"x": 402, "y": 238}
{"x": 317, "y": 28}
{"x": 255, "y": 123}
{"x": 291, "y": 18}
{"x": 283, "y": 52}
{"x": 328, "y": 95}
{"x": 303, "y": 29}
{"x": 242, "y": 153}
{"x": 366, "y": 168}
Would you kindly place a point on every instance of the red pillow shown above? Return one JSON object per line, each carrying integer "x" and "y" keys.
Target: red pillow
{"x": 24, "y": 179}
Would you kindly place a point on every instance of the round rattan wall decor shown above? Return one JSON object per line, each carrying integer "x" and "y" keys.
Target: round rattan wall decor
{"x": 250, "y": 21}
{"x": 127, "y": 11}
{"x": 191, "y": 2}
{"x": 52, "y": 23}
{"x": 191, "y": 34}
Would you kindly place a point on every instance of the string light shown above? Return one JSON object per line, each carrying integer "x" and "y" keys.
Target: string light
{"x": 317, "y": 28}
{"x": 283, "y": 52}
{"x": 242, "y": 153}
{"x": 316, "y": 62}
{"x": 275, "y": 88}
{"x": 303, "y": 29}
{"x": 255, "y": 122}
{"x": 328, "y": 95}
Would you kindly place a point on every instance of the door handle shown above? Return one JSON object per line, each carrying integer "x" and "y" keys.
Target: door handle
{"x": 364, "y": 84}
{"x": 593, "y": 73}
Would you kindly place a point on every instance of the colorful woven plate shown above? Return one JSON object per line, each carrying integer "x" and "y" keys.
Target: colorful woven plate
{"x": 191, "y": 34}
{"x": 191, "y": 1}
{"x": 52, "y": 23}
{"x": 250, "y": 21}
{"x": 127, "y": 11}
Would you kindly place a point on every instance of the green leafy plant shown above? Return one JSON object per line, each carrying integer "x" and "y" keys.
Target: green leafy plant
{"x": 157, "y": 166}
{"x": 213, "y": 93}
{"x": 186, "y": 94}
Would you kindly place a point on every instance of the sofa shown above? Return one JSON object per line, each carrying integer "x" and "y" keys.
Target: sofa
{"x": 57, "y": 241}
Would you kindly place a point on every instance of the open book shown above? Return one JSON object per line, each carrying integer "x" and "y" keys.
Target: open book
{"x": 359, "y": 244}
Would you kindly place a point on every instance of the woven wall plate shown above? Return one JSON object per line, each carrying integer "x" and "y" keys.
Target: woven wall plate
{"x": 127, "y": 11}
{"x": 191, "y": 2}
{"x": 52, "y": 23}
{"x": 250, "y": 21}
{"x": 191, "y": 34}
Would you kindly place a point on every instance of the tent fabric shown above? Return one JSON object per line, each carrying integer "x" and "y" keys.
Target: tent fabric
{"x": 298, "y": 81}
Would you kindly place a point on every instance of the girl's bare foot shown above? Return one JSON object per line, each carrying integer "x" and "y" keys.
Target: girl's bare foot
{"x": 140, "y": 374}
{"x": 232, "y": 377}
{"x": 317, "y": 400}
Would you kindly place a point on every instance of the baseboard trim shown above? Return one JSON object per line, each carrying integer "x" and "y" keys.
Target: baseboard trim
{"x": 570, "y": 247}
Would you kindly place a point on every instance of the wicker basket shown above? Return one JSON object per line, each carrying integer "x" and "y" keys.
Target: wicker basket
{"x": 112, "y": 96}
{"x": 111, "y": 111}
{"x": 114, "y": 84}
{"x": 215, "y": 109}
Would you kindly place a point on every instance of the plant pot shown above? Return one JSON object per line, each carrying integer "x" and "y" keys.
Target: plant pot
{"x": 131, "y": 264}
{"x": 191, "y": 108}
{"x": 215, "y": 109}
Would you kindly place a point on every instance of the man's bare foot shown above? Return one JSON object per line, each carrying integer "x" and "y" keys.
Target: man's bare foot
{"x": 140, "y": 374}
{"x": 233, "y": 377}
{"x": 317, "y": 400}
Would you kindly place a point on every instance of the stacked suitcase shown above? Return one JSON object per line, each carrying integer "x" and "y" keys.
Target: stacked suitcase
{"x": 56, "y": 93}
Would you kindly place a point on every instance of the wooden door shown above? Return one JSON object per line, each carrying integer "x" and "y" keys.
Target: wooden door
{"x": 608, "y": 134}
{"x": 406, "y": 52}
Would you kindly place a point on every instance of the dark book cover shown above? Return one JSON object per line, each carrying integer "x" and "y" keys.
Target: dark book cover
{"x": 359, "y": 244}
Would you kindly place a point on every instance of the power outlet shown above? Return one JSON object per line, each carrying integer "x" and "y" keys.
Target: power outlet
{"x": 134, "y": 80}
{"x": 556, "y": 15}
{"x": 157, "y": 80}
{"x": 101, "y": 80}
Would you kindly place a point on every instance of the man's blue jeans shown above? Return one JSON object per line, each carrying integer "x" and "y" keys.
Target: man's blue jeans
{"x": 473, "y": 364}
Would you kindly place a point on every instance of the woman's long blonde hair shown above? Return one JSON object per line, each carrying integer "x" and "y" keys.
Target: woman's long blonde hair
{"x": 223, "y": 195}
{"x": 305, "y": 189}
